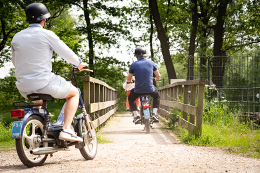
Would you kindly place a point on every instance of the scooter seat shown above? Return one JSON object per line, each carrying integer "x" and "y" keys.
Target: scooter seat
{"x": 36, "y": 96}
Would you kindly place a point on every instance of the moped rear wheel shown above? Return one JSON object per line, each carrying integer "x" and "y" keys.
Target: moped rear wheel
{"x": 32, "y": 128}
{"x": 147, "y": 125}
{"x": 89, "y": 151}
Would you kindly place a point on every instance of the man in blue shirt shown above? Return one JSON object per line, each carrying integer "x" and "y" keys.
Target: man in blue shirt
{"x": 32, "y": 50}
{"x": 143, "y": 70}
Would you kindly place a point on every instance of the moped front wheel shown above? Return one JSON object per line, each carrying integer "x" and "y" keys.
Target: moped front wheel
{"x": 89, "y": 136}
{"x": 33, "y": 127}
{"x": 147, "y": 125}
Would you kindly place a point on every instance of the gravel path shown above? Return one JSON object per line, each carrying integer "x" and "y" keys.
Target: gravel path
{"x": 131, "y": 150}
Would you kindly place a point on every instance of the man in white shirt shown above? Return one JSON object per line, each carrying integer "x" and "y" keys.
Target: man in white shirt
{"x": 32, "y": 50}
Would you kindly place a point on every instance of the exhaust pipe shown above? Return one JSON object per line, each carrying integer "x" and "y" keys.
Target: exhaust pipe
{"x": 47, "y": 150}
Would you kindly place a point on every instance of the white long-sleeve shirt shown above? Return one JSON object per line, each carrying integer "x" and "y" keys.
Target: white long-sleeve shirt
{"x": 32, "y": 50}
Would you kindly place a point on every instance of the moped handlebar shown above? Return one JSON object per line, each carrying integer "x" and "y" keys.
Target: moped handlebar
{"x": 85, "y": 68}
{"x": 157, "y": 80}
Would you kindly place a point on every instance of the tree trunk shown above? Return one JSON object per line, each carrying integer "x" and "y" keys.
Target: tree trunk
{"x": 204, "y": 15}
{"x": 151, "y": 43}
{"x": 90, "y": 40}
{"x": 163, "y": 39}
{"x": 151, "y": 37}
{"x": 218, "y": 61}
{"x": 192, "y": 40}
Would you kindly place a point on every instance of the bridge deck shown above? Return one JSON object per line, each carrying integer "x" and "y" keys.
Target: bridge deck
{"x": 132, "y": 150}
{"x": 122, "y": 129}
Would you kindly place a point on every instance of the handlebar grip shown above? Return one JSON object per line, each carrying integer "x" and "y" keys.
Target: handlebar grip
{"x": 86, "y": 68}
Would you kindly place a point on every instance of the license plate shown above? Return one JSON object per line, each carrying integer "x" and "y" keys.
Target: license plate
{"x": 16, "y": 129}
{"x": 146, "y": 114}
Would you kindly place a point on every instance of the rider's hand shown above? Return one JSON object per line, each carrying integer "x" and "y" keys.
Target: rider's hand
{"x": 82, "y": 65}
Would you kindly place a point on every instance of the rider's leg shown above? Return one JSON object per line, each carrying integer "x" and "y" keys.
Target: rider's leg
{"x": 71, "y": 106}
{"x": 131, "y": 98}
{"x": 156, "y": 103}
{"x": 138, "y": 105}
{"x": 156, "y": 100}
{"x": 69, "y": 112}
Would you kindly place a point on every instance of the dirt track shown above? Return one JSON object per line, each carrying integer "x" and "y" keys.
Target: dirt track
{"x": 134, "y": 151}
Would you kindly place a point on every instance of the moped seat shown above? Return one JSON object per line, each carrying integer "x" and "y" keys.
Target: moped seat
{"x": 37, "y": 96}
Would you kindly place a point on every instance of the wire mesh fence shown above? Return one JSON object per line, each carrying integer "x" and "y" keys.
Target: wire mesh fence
{"x": 232, "y": 79}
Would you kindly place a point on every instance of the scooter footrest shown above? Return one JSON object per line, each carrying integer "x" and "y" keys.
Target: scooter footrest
{"x": 79, "y": 145}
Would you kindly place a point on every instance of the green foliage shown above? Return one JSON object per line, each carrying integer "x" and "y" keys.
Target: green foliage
{"x": 102, "y": 140}
{"x": 218, "y": 114}
{"x": 5, "y": 133}
{"x": 8, "y": 91}
{"x": 109, "y": 70}
{"x": 7, "y": 146}
{"x": 174, "y": 115}
{"x": 180, "y": 64}
{"x": 12, "y": 21}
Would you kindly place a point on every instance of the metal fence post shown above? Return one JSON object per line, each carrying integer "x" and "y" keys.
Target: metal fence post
{"x": 189, "y": 67}
{"x": 163, "y": 81}
{"x": 208, "y": 73}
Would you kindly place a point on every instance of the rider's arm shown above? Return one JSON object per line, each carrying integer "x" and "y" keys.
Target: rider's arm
{"x": 157, "y": 74}
{"x": 63, "y": 50}
{"x": 129, "y": 77}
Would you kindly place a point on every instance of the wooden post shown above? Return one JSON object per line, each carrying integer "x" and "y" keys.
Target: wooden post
{"x": 192, "y": 102}
{"x": 185, "y": 100}
{"x": 97, "y": 99}
{"x": 86, "y": 86}
{"x": 179, "y": 92}
{"x": 200, "y": 109}
{"x": 92, "y": 97}
{"x": 102, "y": 97}
{"x": 175, "y": 93}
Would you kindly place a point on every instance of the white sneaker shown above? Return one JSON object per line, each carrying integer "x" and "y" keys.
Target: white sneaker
{"x": 69, "y": 135}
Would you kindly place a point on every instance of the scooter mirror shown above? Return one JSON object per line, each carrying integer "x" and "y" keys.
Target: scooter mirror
{"x": 125, "y": 73}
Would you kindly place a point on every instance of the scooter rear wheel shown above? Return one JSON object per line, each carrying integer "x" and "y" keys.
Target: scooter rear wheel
{"x": 32, "y": 127}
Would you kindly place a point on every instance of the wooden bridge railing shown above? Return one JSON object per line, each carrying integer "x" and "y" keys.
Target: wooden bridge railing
{"x": 100, "y": 100}
{"x": 183, "y": 96}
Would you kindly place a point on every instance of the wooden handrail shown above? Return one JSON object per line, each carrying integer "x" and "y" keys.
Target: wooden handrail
{"x": 183, "y": 96}
{"x": 100, "y": 100}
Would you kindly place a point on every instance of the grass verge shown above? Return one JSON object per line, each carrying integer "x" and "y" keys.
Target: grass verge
{"x": 222, "y": 128}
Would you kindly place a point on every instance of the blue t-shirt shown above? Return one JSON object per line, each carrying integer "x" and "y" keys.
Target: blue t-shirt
{"x": 143, "y": 70}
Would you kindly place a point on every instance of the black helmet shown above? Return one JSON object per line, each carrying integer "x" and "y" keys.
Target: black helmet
{"x": 140, "y": 52}
{"x": 36, "y": 12}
